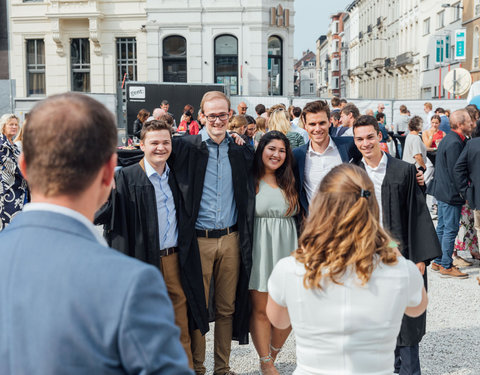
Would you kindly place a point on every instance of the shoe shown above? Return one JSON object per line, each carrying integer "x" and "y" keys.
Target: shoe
{"x": 475, "y": 255}
{"x": 460, "y": 262}
{"x": 267, "y": 367}
{"x": 453, "y": 272}
{"x": 274, "y": 352}
{"x": 436, "y": 267}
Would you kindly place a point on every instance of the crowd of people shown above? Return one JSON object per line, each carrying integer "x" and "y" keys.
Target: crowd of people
{"x": 300, "y": 220}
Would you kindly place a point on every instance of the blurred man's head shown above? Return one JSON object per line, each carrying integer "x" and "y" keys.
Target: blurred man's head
{"x": 380, "y": 107}
{"x": 157, "y": 113}
{"x": 349, "y": 115}
{"x": 165, "y": 105}
{"x": 69, "y": 139}
{"x": 427, "y": 107}
{"x": 242, "y": 108}
{"x": 460, "y": 121}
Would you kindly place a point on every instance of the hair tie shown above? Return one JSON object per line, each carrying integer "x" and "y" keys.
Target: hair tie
{"x": 365, "y": 193}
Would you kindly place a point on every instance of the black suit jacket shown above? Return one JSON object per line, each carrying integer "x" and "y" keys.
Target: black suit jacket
{"x": 444, "y": 188}
{"x": 347, "y": 150}
{"x": 467, "y": 173}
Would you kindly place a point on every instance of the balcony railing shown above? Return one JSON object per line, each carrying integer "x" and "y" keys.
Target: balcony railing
{"x": 405, "y": 59}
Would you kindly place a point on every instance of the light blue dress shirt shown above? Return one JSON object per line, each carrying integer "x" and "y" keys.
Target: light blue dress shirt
{"x": 167, "y": 216}
{"x": 217, "y": 206}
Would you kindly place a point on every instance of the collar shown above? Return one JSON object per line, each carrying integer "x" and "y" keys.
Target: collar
{"x": 205, "y": 137}
{"x": 381, "y": 166}
{"x": 331, "y": 146}
{"x": 67, "y": 212}
{"x": 149, "y": 170}
{"x": 462, "y": 137}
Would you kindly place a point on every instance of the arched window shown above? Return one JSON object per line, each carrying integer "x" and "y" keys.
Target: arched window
{"x": 275, "y": 75}
{"x": 475, "y": 46}
{"x": 174, "y": 59}
{"x": 226, "y": 62}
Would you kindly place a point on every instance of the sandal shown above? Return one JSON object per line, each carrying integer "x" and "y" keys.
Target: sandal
{"x": 265, "y": 369}
{"x": 274, "y": 352}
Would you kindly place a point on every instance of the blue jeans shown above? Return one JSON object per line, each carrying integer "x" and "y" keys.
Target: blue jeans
{"x": 447, "y": 230}
{"x": 407, "y": 360}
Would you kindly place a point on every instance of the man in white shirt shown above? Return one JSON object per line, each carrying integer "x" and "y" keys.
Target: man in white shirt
{"x": 404, "y": 213}
{"x": 316, "y": 158}
{"x": 428, "y": 108}
{"x": 348, "y": 116}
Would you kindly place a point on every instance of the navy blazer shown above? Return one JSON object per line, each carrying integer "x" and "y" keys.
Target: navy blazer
{"x": 347, "y": 150}
{"x": 467, "y": 173}
{"x": 69, "y": 305}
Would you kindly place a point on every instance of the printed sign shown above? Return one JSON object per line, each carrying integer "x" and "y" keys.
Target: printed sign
{"x": 460, "y": 40}
{"x": 136, "y": 92}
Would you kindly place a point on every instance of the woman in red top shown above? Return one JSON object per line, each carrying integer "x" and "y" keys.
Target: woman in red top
{"x": 188, "y": 125}
{"x": 433, "y": 136}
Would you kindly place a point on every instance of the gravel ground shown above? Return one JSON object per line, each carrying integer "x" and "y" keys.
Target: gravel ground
{"x": 450, "y": 346}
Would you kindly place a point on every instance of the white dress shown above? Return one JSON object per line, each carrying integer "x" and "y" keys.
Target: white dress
{"x": 346, "y": 329}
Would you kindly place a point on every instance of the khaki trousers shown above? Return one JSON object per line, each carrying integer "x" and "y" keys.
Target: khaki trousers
{"x": 476, "y": 220}
{"x": 220, "y": 258}
{"x": 171, "y": 274}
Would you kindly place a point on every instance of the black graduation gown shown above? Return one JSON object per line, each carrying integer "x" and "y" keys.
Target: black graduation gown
{"x": 189, "y": 160}
{"x": 406, "y": 217}
{"x": 131, "y": 226}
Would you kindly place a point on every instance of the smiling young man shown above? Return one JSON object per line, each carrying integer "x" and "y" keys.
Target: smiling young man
{"x": 404, "y": 213}
{"x": 140, "y": 217}
{"x": 316, "y": 158}
{"x": 217, "y": 227}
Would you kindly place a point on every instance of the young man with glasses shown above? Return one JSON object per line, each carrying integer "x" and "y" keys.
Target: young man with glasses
{"x": 242, "y": 108}
{"x": 216, "y": 224}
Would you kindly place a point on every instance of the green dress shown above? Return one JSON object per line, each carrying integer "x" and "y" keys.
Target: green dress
{"x": 274, "y": 234}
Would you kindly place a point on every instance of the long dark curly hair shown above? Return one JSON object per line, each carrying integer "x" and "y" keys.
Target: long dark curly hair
{"x": 284, "y": 174}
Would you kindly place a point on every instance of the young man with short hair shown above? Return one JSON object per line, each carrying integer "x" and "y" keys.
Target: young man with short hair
{"x": 404, "y": 213}
{"x": 348, "y": 116}
{"x": 140, "y": 218}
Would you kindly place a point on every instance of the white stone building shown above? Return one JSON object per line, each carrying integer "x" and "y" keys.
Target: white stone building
{"x": 93, "y": 45}
{"x": 322, "y": 66}
{"x": 247, "y": 44}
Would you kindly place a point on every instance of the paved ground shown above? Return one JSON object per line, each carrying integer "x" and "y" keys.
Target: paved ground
{"x": 450, "y": 346}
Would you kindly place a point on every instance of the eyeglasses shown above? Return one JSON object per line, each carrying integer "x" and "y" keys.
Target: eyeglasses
{"x": 213, "y": 118}
{"x": 245, "y": 108}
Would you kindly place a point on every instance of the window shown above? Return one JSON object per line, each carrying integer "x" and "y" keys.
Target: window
{"x": 457, "y": 11}
{"x": 476, "y": 40}
{"x": 426, "y": 62}
{"x": 35, "y": 67}
{"x": 335, "y": 65}
{"x": 426, "y": 26}
{"x": 440, "y": 19}
{"x": 126, "y": 59}
{"x": 447, "y": 47}
{"x": 477, "y": 7}
{"x": 311, "y": 88}
{"x": 275, "y": 75}
{"x": 175, "y": 59}
{"x": 80, "y": 61}
{"x": 335, "y": 45}
{"x": 226, "y": 62}
{"x": 335, "y": 83}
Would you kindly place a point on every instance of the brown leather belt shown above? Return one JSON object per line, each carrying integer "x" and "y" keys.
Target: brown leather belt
{"x": 168, "y": 251}
{"x": 216, "y": 233}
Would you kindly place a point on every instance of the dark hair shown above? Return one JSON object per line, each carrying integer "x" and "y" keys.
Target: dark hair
{"x": 154, "y": 125}
{"x": 69, "y": 138}
{"x": 436, "y": 117}
{"x": 335, "y": 101}
{"x": 259, "y": 109}
{"x": 472, "y": 111}
{"x": 250, "y": 120}
{"x": 439, "y": 110}
{"x": 284, "y": 174}
{"x": 379, "y": 116}
{"x": 188, "y": 107}
{"x": 188, "y": 113}
{"x": 297, "y": 111}
{"x": 336, "y": 115}
{"x": 415, "y": 123}
{"x": 164, "y": 102}
{"x": 343, "y": 101}
{"x": 366, "y": 120}
{"x": 351, "y": 108}
{"x": 315, "y": 107}
{"x": 403, "y": 108}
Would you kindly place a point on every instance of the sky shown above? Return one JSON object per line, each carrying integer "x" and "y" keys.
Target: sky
{"x": 312, "y": 18}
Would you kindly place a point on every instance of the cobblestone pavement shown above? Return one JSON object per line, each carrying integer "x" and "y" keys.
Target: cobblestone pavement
{"x": 450, "y": 347}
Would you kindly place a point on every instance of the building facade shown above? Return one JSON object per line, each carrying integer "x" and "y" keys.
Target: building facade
{"x": 471, "y": 21}
{"x": 93, "y": 46}
{"x": 305, "y": 75}
{"x": 334, "y": 38}
{"x": 322, "y": 66}
{"x": 247, "y": 45}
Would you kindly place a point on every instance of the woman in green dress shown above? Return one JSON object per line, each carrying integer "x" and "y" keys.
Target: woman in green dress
{"x": 274, "y": 237}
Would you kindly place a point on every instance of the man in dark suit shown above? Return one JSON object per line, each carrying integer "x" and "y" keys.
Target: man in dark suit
{"x": 444, "y": 190}
{"x": 140, "y": 220}
{"x": 404, "y": 213}
{"x": 218, "y": 195}
{"x": 315, "y": 159}
{"x": 69, "y": 304}
{"x": 466, "y": 174}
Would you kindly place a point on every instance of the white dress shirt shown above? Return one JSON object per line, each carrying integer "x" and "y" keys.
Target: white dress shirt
{"x": 317, "y": 165}
{"x": 377, "y": 176}
{"x": 348, "y": 132}
{"x": 67, "y": 212}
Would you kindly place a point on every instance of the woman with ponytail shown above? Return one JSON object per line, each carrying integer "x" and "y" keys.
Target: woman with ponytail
{"x": 346, "y": 288}
{"x": 274, "y": 237}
